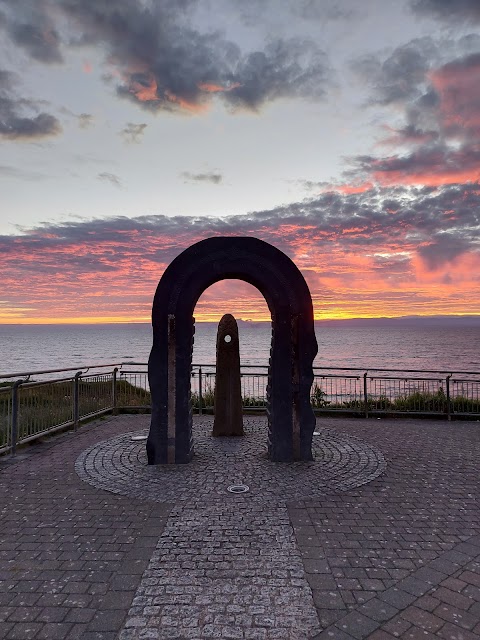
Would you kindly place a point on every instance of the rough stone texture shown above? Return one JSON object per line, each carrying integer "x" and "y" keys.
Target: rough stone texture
{"x": 225, "y": 570}
{"x": 294, "y": 345}
{"x": 228, "y": 419}
{"x": 227, "y": 564}
{"x": 393, "y": 550}
{"x": 341, "y": 462}
{"x": 71, "y": 555}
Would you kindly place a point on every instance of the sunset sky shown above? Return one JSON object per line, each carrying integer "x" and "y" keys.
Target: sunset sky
{"x": 345, "y": 133}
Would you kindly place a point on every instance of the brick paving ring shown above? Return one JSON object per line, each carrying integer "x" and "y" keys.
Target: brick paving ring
{"x": 119, "y": 465}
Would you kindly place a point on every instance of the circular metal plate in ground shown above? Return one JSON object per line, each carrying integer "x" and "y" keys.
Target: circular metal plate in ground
{"x": 238, "y": 488}
{"x": 342, "y": 462}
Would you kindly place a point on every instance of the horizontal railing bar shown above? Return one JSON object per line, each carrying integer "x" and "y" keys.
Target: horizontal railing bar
{"x": 243, "y": 366}
{"x": 332, "y": 375}
{"x": 334, "y": 390}
{"x": 78, "y": 368}
{"x": 404, "y": 379}
{"x": 367, "y": 369}
{"x": 41, "y": 383}
{"x": 364, "y": 369}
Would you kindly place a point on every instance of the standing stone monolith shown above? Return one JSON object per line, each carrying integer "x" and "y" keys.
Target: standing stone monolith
{"x": 228, "y": 393}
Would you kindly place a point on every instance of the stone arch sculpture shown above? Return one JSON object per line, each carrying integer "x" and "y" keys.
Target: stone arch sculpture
{"x": 291, "y": 420}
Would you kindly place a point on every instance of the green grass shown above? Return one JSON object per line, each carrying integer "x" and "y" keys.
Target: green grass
{"x": 45, "y": 406}
{"x": 417, "y": 401}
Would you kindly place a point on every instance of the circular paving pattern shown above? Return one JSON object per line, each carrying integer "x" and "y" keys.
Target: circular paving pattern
{"x": 120, "y": 465}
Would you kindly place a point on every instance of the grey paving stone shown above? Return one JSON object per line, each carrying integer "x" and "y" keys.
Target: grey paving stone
{"x": 423, "y": 619}
{"x": 378, "y": 610}
{"x": 24, "y": 631}
{"x": 237, "y": 544}
{"x": 422, "y": 509}
{"x": 333, "y": 633}
{"x": 414, "y": 586}
{"x": 397, "y": 597}
{"x": 357, "y": 625}
{"x": 54, "y": 631}
{"x": 452, "y": 632}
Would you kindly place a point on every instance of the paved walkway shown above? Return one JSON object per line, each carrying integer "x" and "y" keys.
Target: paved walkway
{"x": 378, "y": 538}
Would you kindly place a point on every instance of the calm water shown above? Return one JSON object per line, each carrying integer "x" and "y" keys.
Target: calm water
{"x": 36, "y": 347}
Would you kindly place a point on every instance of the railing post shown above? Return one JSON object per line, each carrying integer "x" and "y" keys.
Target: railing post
{"x": 76, "y": 403}
{"x": 449, "y": 406}
{"x": 14, "y": 426}
{"x": 114, "y": 392}
{"x": 365, "y": 393}
{"x": 200, "y": 399}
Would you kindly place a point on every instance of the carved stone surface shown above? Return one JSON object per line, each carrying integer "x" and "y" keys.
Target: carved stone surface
{"x": 228, "y": 392}
{"x": 294, "y": 346}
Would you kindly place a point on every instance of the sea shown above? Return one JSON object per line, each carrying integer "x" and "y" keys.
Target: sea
{"x": 440, "y": 344}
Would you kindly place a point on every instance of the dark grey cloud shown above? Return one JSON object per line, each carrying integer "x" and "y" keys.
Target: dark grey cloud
{"x": 251, "y": 12}
{"x": 445, "y": 247}
{"x": 30, "y": 24}
{"x": 326, "y": 10}
{"x": 111, "y": 178}
{"x": 210, "y": 176}
{"x": 438, "y": 225}
{"x": 397, "y": 267}
{"x": 312, "y": 185}
{"x": 448, "y": 10}
{"x": 439, "y": 141}
{"x": 132, "y": 132}
{"x": 163, "y": 62}
{"x": 285, "y": 69}
{"x": 428, "y": 162}
{"x": 397, "y": 78}
{"x": 14, "y": 123}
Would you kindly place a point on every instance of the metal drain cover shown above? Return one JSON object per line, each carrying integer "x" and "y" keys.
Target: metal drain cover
{"x": 140, "y": 437}
{"x": 238, "y": 488}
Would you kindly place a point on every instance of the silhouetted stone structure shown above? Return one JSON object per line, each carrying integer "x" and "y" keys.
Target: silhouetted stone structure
{"x": 228, "y": 392}
{"x": 290, "y": 416}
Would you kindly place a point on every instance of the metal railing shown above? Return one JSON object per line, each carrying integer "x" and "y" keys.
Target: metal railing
{"x": 30, "y": 409}
{"x": 357, "y": 391}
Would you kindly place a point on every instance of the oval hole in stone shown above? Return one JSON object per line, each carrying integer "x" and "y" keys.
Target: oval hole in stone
{"x": 228, "y": 338}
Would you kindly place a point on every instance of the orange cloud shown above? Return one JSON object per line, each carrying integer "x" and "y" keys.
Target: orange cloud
{"x": 145, "y": 91}
{"x": 458, "y": 85}
{"x": 428, "y": 178}
{"x": 185, "y": 104}
{"x": 354, "y": 188}
{"x": 390, "y": 252}
{"x": 211, "y": 87}
{"x": 440, "y": 141}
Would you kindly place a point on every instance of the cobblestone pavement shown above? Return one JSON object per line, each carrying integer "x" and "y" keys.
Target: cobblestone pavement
{"x": 227, "y": 564}
{"x": 397, "y": 557}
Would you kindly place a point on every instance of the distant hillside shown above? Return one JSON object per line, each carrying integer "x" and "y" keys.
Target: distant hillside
{"x": 405, "y": 321}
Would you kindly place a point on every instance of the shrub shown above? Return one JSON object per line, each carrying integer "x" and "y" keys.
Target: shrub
{"x": 318, "y": 397}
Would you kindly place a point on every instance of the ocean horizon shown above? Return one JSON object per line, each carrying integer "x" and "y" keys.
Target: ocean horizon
{"x": 440, "y": 343}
